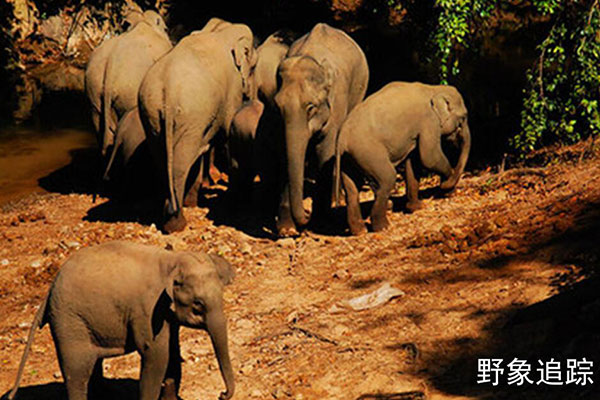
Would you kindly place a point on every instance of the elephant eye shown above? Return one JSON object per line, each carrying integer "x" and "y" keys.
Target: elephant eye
{"x": 311, "y": 109}
{"x": 199, "y": 307}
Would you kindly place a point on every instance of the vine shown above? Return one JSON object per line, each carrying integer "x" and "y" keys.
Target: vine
{"x": 560, "y": 102}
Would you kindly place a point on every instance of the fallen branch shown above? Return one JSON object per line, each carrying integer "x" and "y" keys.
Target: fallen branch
{"x": 310, "y": 334}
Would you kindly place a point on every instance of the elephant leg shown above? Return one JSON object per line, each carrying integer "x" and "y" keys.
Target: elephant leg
{"x": 192, "y": 196}
{"x": 432, "y": 156}
{"x": 174, "y": 365}
{"x": 412, "y": 186}
{"x": 77, "y": 362}
{"x": 373, "y": 159}
{"x": 155, "y": 360}
{"x": 97, "y": 378}
{"x": 354, "y": 216}
{"x": 185, "y": 154}
{"x": 285, "y": 223}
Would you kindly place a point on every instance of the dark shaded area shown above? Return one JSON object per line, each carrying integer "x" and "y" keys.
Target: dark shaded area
{"x": 126, "y": 389}
{"x": 394, "y": 396}
{"x": 561, "y": 327}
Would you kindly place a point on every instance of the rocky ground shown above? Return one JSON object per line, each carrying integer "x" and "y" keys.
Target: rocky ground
{"x": 504, "y": 268}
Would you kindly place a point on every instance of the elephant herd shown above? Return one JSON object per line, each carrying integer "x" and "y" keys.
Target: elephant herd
{"x": 283, "y": 110}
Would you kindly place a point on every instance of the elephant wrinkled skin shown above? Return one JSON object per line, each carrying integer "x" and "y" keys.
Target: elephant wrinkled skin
{"x": 401, "y": 122}
{"x": 323, "y": 77}
{"x": 120, "y": 297}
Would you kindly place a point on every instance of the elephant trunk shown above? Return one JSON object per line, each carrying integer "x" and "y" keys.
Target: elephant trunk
{"x": 296, "y": 143}
{"x": 216, "y": 325}
{"x": 465, "y": 137}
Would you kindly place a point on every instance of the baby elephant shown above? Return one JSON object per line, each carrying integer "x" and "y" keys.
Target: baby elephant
{"x": 385, "y": 130}
{"x": 119, "y": 297}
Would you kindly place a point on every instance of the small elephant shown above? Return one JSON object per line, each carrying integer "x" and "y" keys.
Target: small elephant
{"x": 120, "y": 297}
{"x": 385, "y": 130}
{"x": 255, "y": 143}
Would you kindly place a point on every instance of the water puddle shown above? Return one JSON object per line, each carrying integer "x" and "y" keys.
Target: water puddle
{"x": 26, "y": 155}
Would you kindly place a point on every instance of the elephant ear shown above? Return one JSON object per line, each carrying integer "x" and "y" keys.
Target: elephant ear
{"x": 225, "y": 270}
{"x": 441, "y": 107}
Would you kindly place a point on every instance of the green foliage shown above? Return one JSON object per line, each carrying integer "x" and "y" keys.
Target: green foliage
{"x": 563, "y": 88}
{"x": 455, "y": 23}
{"x": 561, "y": 100}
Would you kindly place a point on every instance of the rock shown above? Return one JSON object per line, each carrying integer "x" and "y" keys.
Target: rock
{"x": 287, "y": 243}
{"x": 56, "y": 375}
{"x": 36, "y": 264}
{"x": 73, "y": 244}
{"x": 4, "y": 262}
{"x": 245, "y": 248}
{"x": 25, "y": 325}
{"x": 342, "y": 274}
{"x": 244, "y": 324}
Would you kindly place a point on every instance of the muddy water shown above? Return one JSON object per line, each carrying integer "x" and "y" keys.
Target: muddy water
{"x": 28, "y": 155}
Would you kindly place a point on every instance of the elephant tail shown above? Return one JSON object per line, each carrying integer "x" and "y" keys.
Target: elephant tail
{"x": 106, "y": 108}
{"x": 38, "y": 322}
{"x": 113, "y": 153}
{"x": 337, "y": 171}
{"x": 168, "y": 121}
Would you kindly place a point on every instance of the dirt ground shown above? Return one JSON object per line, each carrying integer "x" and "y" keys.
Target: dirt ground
{"x": 504, "y": 268}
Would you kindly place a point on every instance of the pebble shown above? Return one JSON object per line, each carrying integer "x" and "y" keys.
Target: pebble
{"x": 4, "y": 262}
{"x": 73, "y": 244}
{"x": 25, "y": 325}
{"x": 288, "y": 243}
{"x": 56, "y": 375}
{"x": 36, "y": 264}
{"x": 245, "y": 248}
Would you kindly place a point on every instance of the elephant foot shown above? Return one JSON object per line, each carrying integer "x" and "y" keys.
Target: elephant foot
{"x": 286, "y": 229}
{"x": 413, "y": 206}
{"x": 380, "y": 224}
{"x": 175, "y": 223}
{"x": 168, "y": 390}
{"x": 191, "y": 199}
{"x": 358, "y": 229}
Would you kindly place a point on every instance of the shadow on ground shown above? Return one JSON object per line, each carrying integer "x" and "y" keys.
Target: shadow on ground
{"x": 564, "y": 326}
{"x": 125, "y": 389}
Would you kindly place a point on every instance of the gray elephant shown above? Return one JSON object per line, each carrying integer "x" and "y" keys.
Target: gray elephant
{"x": 188, "y": 96}
{"x": 116, "y": 68}
{"x": 121, "y": 297}
{"x": 324, "y": 76}
{"x": 395, "y": 124}
{"x": 254, "y": 144}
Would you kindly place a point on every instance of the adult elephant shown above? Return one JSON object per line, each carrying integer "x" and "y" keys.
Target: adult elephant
{"x": 188, "y": 96}
{"x": 116, "y": 68}
{"x": 323, "y": 77}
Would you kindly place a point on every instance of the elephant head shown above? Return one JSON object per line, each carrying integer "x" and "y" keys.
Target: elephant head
{"x": 156, "y": 22}
{"x": 195, "y": 288}
{"x": 270, "y": 53}
{"x": 451, "y": 113}
{"x": 304, "y": 102}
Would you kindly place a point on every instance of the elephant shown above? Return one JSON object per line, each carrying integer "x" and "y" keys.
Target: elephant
{"x": 254, "y": 145}
{"x": 119, "y": 297}
{"x": 115, "y": 71}
{"x": 392, "y": 126}
{"x": 323, "y": 77}
{"x": 190, "y": 95}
